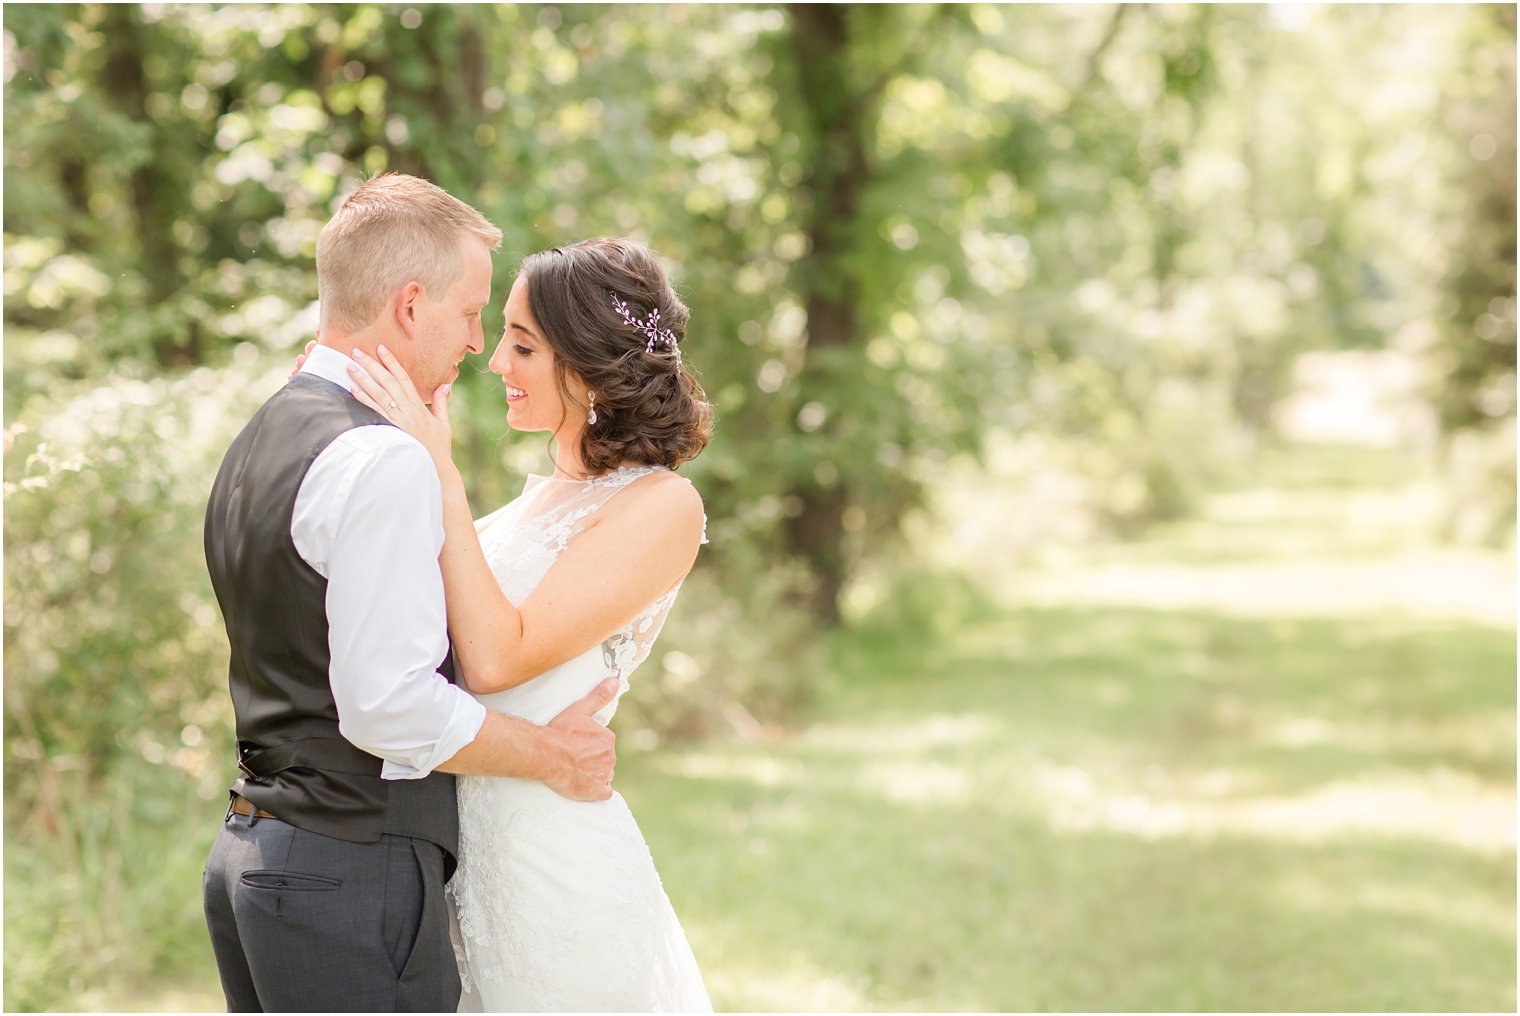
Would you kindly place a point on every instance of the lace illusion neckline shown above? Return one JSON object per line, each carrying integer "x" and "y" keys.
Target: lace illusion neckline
{"x": 596, "y": 481}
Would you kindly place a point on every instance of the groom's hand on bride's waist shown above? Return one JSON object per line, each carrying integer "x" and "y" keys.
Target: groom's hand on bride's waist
{"x": 584, "y": 770}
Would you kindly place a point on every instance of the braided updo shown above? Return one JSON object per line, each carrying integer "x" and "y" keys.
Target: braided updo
{"x": 612, "y": 318}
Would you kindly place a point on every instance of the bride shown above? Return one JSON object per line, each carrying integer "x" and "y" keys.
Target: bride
{"x": 557, "y": 903}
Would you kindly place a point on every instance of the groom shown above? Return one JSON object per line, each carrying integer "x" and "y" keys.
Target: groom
{"x": 324, "y": 888}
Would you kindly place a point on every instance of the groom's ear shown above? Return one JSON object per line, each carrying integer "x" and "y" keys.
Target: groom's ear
{"x": 406, "y": 308}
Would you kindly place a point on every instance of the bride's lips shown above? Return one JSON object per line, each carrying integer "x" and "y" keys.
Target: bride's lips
{"x": 515, "y": 394}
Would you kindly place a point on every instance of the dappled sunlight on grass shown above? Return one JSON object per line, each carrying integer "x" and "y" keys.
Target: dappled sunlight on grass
{"x": 920, "y": 782}
{"x": 1340, "y": 533}
{"x": 1474, "y": 736}
{"x": 936, "y": 730}
{"x": 1414, "y": 902}
{"x": 1483, "y": 912}
{"x": 762, "y": 771}
{"x": 779, "y": 983}
{"x": 1435, "y": 584}
{"x": 1164, "y": 776}
{"x": 996, "y": 902}
{"x": 200, "y": 994}
{"x": 1266, "y": 553}
{"x": 1445, "y": 807}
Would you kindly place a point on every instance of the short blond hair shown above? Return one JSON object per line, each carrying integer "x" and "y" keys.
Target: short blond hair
{"x": 393, "y": 230}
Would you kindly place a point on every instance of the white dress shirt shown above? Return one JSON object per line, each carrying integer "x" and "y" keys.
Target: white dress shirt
{"x": 369, "y": 519}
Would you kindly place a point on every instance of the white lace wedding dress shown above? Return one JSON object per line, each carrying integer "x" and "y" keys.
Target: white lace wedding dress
{"x": 556, "y": 904}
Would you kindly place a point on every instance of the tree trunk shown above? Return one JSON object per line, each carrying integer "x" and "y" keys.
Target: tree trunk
{"x": 835, "y": 178}
{"x": 154, "y": 194}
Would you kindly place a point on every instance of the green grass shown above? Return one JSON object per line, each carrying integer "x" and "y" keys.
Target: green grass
{"x": 102, "y": 897}
{"x": 1114, "y": 810}
{"x": 1290, "y": 787}
{"x": 1261, "y": 760}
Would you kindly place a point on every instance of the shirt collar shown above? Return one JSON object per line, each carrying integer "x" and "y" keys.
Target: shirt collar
{"x": 329, "y": 365}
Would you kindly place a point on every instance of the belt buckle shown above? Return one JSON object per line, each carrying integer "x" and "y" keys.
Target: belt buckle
{"x": 253, "y": 809}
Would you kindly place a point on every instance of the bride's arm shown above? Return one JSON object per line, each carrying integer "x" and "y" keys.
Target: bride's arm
{"x": 635, "y": 550}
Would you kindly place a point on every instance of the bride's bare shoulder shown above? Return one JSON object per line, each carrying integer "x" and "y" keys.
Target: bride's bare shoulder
{"x": 665, "y": 501}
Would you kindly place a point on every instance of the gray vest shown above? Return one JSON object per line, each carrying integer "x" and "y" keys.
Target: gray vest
{"x": 294, "y": 761}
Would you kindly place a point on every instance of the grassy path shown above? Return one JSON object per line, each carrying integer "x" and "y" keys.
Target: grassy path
{"x": 1243, "y": 799}
{"x": 1143, "y": 811}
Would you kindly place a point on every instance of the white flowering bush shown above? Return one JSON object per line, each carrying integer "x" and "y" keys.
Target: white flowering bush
{"x": 116, "y": 712}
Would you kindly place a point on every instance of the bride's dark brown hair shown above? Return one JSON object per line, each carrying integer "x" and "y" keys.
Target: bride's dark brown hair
{"x": 649, "y": 408}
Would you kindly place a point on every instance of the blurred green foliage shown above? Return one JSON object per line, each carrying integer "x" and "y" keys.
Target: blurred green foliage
{"x": 1102, "y": 234}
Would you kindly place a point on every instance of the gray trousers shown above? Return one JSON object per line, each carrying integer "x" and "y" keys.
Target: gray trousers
{"x": 302, "y": 922}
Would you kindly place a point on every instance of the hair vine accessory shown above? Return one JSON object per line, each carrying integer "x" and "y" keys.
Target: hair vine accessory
{"x": 650, "y": 326}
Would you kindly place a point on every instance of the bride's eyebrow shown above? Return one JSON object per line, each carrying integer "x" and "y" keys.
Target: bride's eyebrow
{"x": 521, "y": 328}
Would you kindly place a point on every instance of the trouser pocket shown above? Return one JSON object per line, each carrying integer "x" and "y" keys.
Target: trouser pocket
{"x": 429, "y": 977}
{"x": 289, "y": 880}
{"x": 405, "y": 894}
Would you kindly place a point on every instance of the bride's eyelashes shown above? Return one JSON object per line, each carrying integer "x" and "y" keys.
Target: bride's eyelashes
{"x": 522, "y": 350}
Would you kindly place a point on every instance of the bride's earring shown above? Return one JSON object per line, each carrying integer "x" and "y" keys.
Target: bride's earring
{"x": 591, "y": 411}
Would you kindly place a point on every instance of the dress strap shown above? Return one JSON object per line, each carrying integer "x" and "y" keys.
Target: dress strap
{"x": 600, "y": 489}
{"x": 622, "y": 477}
{"x": 560, "y": 509}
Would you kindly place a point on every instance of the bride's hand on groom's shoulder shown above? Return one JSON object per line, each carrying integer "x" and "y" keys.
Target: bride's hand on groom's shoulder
{"x": 584, "y": 772}
{"x": 384, "y": 385}
{"x": 303, "y": 354}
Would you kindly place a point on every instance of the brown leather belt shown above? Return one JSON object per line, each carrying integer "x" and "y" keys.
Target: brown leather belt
{"x": 242, "y": 806}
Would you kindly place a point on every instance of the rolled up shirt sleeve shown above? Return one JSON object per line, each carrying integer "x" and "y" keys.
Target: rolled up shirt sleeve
{"x": 369, "y": 518}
